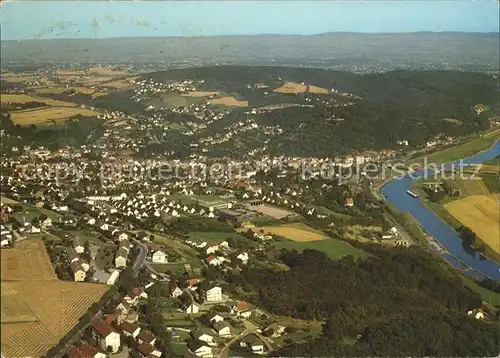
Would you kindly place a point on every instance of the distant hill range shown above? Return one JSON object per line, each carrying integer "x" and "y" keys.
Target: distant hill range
{"x": 348, "y": 51}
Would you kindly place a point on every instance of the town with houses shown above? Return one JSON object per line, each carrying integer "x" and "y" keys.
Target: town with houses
{"x": 170, "y": 231}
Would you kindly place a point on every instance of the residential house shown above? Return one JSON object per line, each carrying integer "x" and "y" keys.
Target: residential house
{"x": 148, "y": 350}
{"x": 242, "y": 309}
{"x": 243, "y": 257}
{"x": 142, "y": 236}
{"x": 200, "y": 349}
{"x": 123, "y": 307}
{"x": 159, "y": 257}
{"x": 349, "y": 202}
{"x": 274, "y": 330}
{"x": 133, "y": 298}
{"x": 477, "y": 313}
{"x": 6, "y": 236}
{"x": 78, "y": 271}
{"x": 193, "y": 308}
{"x": 175, "y": 292}
{"x": 192, "y": 282}
{"x": 254, "y": 343}
{"x": 214, "y": 294}
{"x": 72, "y": 255}
{"x": 203, "y": 334}
{"x": 223, "y": 328}
{"x": 213, "y": 260}
{"x": 214, "y": 317}
{"x": 130, "y": 329}
{"x": 46, "y": 223}
{"x": 85, "y": 351}
{"x": 103, "y": 333}
{"x": 146, "y": 337}
{"x": 78, "y": 245}
{"x": 122, "y": 236}
{"x": 121, "y": 257}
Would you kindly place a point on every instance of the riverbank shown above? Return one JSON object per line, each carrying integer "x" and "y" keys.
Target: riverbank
{"x": 433, "y": 225}
{"x": 466, "y": 148}
{"x": 440, "y": 211}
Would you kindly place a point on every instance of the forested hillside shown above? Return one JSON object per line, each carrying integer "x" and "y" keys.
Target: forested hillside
{"x": 394, "y": 303}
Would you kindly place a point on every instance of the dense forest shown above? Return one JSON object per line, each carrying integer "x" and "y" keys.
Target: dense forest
{"x": 399, "y": 302}
{"x": 76, "y": 131}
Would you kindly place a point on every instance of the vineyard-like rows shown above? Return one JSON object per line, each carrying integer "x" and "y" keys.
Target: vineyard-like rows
{"x": 28, "y": 261}
{"x": 52, "y": 306}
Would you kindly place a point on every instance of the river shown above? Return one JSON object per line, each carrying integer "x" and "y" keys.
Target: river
{"x": 395, "y": 192}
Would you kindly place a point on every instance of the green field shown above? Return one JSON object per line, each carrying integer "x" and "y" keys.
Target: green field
{"x": 5, "y": 200}
{"x": 463, "y": 150}
{"x": 183, "y": 249}
{"x": 178, "y": 267}
{"x": 333, "y": 248}
{"x": 491, "y": 297}
{"x": 325, "y": 211}
{"x": 29, "y": 212}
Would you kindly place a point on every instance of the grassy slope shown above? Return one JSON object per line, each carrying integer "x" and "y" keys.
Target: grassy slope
{"x": 491, "y": 297}
{"x": 463, "y": 150}
{"x": 333, "y": 248}
{"x": 210, "y": 237}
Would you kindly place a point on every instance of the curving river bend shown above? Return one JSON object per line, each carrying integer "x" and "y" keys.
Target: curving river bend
{"x": 395, "y": 192}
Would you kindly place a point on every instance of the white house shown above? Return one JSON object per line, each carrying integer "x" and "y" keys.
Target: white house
{"x": 193, "y": 308}
{"x": 213, "y": 261}
{"x": 214, "y": 318}
{"x": 476, "y": 313}
{"x": 159, "y": 257}
{"x": 122, "y": 236}
{"x": 214, "y": 294}
{"x": 78, "y": 245}
{"x": 203, "y": 334}
{"x": 105, "y": 335}
{"x": 130, "y": 329}
{"x": 176, "y": 292}
{"x": 223, "y": 329}
{"x": 121, "y": 257}
{"x": 253, "y": 342}
{"x": 200, "y": 349}
{"x": 243, "y": 257}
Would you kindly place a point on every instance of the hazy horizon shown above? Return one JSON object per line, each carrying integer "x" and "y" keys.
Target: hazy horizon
{"x": 124, "y": 19}
{"x": 265, "y": 34}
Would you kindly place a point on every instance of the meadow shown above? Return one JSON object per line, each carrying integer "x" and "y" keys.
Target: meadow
{"x": 480, "y": 213}
{"x": 463, "y": 150}
{"x": 296, "y": 232}
{"x": 295, "y": 88}
{"x": 48, "y": 115}
{"x": 23, "y": 98}
{"x": 333, "y": 248}
{"x": 229, "y": 102}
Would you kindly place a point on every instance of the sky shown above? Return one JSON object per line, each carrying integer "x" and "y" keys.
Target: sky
{"x": 103, "y": 19}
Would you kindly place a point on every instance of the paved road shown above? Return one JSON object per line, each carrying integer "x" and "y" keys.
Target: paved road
{"x": 224, "y": 353}
{"x": 101, "y": 275}
{"x": 141, "y": 258}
